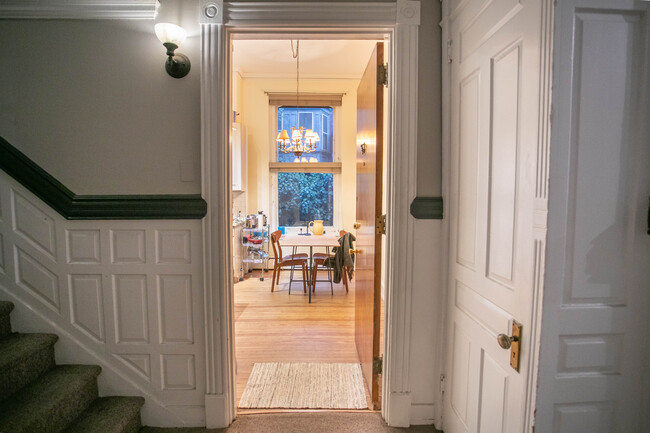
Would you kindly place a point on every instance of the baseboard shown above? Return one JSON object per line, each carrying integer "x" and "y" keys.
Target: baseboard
{"x": 423, "y": 414}
{"x": 215, "y": 411}
{"x": 398, "y": 409}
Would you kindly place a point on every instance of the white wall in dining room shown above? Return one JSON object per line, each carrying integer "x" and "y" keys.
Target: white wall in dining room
{"x": 255, "y": 115}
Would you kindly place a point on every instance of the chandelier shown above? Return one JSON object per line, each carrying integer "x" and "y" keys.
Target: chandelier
{"x": 302, "y": 140}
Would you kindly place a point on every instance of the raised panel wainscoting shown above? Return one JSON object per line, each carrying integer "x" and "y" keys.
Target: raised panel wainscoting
{"x": 126, "y": 295}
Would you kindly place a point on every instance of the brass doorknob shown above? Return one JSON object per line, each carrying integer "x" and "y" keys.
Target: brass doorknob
{"x": 355, "y": 251}
{"x": 506, "y": 341}
{"x": 356, "y": 226}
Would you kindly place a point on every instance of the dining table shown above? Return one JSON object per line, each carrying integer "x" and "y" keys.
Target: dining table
{"x": 326, "y": 240}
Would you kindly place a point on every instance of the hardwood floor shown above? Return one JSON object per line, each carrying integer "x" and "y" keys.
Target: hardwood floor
{"x": 283, "y": 327}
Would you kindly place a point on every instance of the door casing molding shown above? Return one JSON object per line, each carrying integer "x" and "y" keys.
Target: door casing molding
{"x": 219, "y": 22}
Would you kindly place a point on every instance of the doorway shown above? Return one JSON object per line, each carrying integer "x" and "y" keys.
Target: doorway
{"x": 218, "y": 25}
{"x": 273, "y": 325}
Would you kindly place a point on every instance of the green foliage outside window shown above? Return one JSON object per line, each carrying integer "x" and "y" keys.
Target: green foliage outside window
{"x": 304, "y": 197}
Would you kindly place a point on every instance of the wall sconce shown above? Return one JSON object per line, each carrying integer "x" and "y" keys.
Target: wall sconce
{"x": 171, "y": 35}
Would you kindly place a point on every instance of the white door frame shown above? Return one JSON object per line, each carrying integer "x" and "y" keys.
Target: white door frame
{"x": 219, "y": 19}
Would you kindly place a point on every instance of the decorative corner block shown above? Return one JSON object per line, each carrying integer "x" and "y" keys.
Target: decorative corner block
{"x": 408, "y": 12}
{"x": 211, "y": 12}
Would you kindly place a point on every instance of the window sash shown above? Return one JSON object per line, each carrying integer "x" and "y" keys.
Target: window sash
{"x": 305, "y": 167}
{"x": 336, "y": 227}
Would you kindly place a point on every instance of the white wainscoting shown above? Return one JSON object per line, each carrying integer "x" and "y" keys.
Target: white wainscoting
{"x": 126, "y": 295}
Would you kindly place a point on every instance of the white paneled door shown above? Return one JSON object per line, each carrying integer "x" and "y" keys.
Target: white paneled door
{"x": 495, "y": 87}
{"x": 595, "y": 354}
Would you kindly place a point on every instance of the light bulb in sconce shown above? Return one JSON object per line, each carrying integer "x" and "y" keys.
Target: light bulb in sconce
{"x": 177, "y": 64}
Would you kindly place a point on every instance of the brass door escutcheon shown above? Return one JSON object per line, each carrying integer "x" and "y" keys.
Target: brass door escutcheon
{"x": 513, "y": 343}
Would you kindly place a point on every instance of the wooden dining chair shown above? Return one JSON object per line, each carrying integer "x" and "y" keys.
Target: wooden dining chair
{"x": 319, "y": 260}
{"x": 291, "y": 261}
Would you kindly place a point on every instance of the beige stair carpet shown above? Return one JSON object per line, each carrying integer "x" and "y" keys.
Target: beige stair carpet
{"x": 304, "y": 385}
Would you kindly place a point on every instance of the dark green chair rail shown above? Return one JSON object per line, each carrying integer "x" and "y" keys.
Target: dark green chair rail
{"x": 96, "y": 207}
{"x": 427, "y": 208}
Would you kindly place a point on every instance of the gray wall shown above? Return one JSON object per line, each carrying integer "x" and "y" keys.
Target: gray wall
{"x": 430, "y": 101}
{"x": 91, "y": 103}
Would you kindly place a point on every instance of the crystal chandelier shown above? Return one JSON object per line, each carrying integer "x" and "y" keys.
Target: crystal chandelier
{"x": 302, "y": 140}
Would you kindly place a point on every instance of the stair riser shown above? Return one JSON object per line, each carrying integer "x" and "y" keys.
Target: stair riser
{"x": 133, "y": 426}
{"x": 5, "y": 325}
{"x": 25, "y": 371}
{"x": 64, "y": 415}
{"x": 110, "y": 415}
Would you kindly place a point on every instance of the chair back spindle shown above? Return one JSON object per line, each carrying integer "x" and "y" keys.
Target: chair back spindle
{"x": 275, "y": 242}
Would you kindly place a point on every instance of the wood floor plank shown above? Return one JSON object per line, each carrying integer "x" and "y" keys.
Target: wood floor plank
{"x": 283, "y": 327}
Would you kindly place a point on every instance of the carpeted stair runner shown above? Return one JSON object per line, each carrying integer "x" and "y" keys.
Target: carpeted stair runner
{"x": 37, "y": 396}
{"x": 23, "y": 358}
{"x": 110, "y": 415}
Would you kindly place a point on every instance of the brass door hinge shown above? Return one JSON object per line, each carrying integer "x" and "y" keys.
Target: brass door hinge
{"x": 377, "y": 365}
{"x": 380, "y": 224}
{"x": 382, "y": 75}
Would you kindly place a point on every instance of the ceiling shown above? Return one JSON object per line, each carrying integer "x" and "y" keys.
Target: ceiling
{"x": 318, "y": 58}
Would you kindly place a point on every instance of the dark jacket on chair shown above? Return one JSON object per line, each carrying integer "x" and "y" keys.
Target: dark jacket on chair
{"x": 342, "y": 257}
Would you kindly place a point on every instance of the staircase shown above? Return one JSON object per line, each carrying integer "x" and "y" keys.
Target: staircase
{"x": 38, "y": 396}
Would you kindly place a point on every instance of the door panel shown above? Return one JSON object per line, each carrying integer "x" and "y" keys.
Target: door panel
{"x": 595, "y": 324}
{"x": 495, "y": 84}
{"x": 369, "y": 192}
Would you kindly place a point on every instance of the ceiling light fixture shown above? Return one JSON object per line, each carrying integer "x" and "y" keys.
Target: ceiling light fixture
{"x": 302, "y": 140}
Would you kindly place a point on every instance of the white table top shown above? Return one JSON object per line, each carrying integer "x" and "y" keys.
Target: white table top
{"x": 294, "y": 240}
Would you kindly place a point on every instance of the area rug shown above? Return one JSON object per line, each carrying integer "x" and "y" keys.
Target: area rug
{"x": 304, "y": 385}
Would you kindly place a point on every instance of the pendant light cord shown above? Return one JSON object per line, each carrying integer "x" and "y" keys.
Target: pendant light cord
{"x": 296, "y": 55}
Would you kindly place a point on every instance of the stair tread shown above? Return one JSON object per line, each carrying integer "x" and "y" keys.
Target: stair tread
{"x": 6, "y": 307}
{"x": 51, "y": 394}
{"x": 108, "y": 415}
{"x": 15, "y": 347}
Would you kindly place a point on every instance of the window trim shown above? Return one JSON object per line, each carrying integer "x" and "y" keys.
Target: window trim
{"x": 335, "y": 168}
{"x": 305, "y": 167}
{"x": 306, "y": 99}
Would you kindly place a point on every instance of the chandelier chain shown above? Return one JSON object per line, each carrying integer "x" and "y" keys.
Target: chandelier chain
{"x": 296, "y": 55}
{"x": 302, "y": 140}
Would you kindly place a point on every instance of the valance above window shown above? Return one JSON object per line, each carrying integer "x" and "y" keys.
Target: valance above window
{"x": 306, "y": 99}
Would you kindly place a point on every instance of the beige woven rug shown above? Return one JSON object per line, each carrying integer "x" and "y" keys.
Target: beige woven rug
{"x": 304, "y": 385}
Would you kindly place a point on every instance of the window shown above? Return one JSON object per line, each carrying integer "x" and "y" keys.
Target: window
{"x": 318, "y": 119}
{"x": 304, "y": 197}
{"x": 308, "y": 194}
